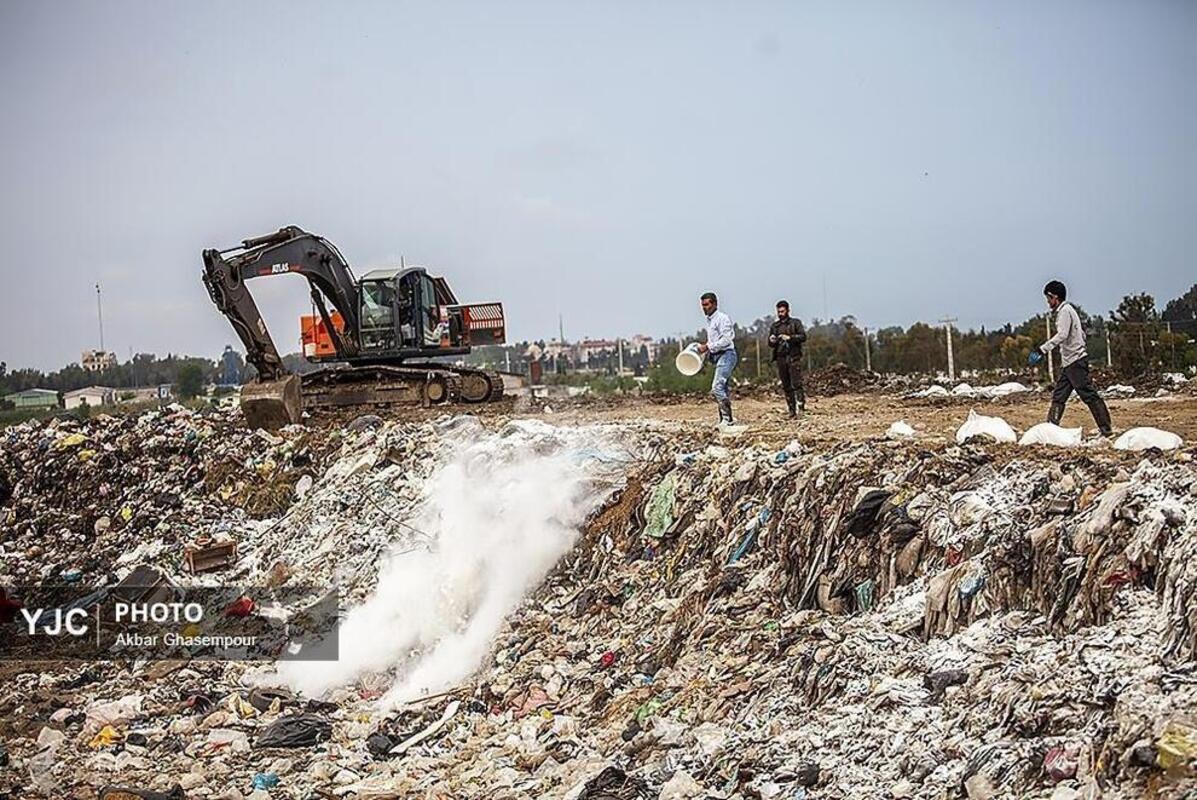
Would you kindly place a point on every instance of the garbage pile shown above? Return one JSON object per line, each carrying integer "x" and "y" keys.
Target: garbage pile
{"x": 84, "y": 498}
{"x": 688, "y": 617}
{"x": 873, "y": 621}
{"x": 368, "y": 495}
{"x": 839, "y": 379}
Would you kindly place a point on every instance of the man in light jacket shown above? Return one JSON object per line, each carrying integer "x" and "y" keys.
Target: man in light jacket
{"x": 1074, "y": 359}
{"x": 720, "y": 350}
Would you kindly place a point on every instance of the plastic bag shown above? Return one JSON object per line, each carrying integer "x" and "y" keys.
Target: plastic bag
{"x": 1052, "y": 434}
{"x": 1147, "y": 438}
{"x": 300, "y": 730}
{"x": 979, "y": 425}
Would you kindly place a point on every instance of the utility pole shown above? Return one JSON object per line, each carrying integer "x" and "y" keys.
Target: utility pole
{"x": 1109, "y": 352}
{"x": 100, "y": 316}
{"x": 947, "y": 327}
{"x": 868, "y": 356}
{"x": 758, "y": 357}
{"x": 560, "y": 328}
{"x": 1051, "y": 372}
{"x": 619, "y": 344}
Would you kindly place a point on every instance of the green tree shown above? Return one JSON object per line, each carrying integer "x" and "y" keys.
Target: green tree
{"x": 190, "y": 380}
{"x": 1135, "y": 330}
{"x": 1183, "y": 308}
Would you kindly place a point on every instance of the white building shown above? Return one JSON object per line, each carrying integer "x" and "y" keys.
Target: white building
{"x": 92, "y": 396}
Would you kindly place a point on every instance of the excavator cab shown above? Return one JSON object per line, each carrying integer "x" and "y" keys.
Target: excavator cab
{"x": 400, "y": 314}
{"x": 378, "y": 315}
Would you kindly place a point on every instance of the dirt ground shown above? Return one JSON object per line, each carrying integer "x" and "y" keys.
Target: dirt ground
{"x": 851, "y": 417}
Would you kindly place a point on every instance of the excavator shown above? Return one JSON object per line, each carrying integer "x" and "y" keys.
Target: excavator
{"x": 366, "y": 334}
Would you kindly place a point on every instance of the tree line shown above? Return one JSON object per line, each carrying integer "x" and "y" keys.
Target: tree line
{"x": 1136, "y": 338}
{"x": 187, "y": 373}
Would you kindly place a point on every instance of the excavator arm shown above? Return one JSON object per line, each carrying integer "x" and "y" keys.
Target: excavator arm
{"x": 289, "y": 250}
{"x": 274, "y": 398}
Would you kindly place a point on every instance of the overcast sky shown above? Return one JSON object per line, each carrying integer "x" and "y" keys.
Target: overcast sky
{"x": 606, "y": 161}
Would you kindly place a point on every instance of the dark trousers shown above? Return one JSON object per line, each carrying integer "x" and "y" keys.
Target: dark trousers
{"x": 1076, "y": 377}
{"x": 790, "y": 372}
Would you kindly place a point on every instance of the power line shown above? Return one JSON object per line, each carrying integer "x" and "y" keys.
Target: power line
{"x": 100, "y": 316}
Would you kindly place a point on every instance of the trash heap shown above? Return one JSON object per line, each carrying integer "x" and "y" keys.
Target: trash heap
{"x": 735, "y": 620}
{"x": 362, "y": 497}
{"x": 873, "y": 621}
{"x": 80, "y": 500}
{"x": 839, "y": 379}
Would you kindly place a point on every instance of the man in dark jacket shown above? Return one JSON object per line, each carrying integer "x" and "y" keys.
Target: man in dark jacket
{"x": 786, "y": 337}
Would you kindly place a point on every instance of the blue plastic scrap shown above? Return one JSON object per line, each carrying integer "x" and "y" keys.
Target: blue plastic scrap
{"x": 265, "y": 780}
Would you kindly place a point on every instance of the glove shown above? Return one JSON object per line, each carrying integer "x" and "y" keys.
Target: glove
{"x": 1034, "y": 358}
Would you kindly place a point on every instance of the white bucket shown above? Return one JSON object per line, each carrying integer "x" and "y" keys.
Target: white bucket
{"x": 689, "y": 361}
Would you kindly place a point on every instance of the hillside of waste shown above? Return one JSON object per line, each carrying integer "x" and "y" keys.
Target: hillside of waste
{"x": 632, "y": 610}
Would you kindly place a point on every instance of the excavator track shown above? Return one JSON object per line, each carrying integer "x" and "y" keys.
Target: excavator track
{"x": 410, "y": 384}
{"x": 277, "y": 403}
{"x": 477, "y": 385}
{"x": 379, "y": 385}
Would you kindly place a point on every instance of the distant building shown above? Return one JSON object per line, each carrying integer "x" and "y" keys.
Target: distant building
{"x": 34, "y": 398}
{"x": 145, "y": 394}
{"x": 647, "y": 343}
{"x": 92, "y": 396}
{"x": 97, "y": 360}
{"x": 593, "y": 351}
{"x": 230, "y": 368}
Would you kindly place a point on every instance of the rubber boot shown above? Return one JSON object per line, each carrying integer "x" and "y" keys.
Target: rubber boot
{"x": 793, "y": 406}
{"x": 725, "y": 412}
{"x": 1101, "y": 415}
{"x": 1055, "y": 413}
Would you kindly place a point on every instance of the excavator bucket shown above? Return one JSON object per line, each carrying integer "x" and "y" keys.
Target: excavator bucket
{"x": 272, "y": 404}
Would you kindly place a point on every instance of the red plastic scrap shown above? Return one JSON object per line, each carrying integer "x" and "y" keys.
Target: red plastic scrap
{"x": 8, "y": 608}
{"x": 241, "y": 607}
{"x": 607, "y": 660}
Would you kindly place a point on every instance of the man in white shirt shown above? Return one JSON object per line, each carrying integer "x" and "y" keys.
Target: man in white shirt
{"x": 720, "y": 350}
{"x": 1074, "y": 360}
